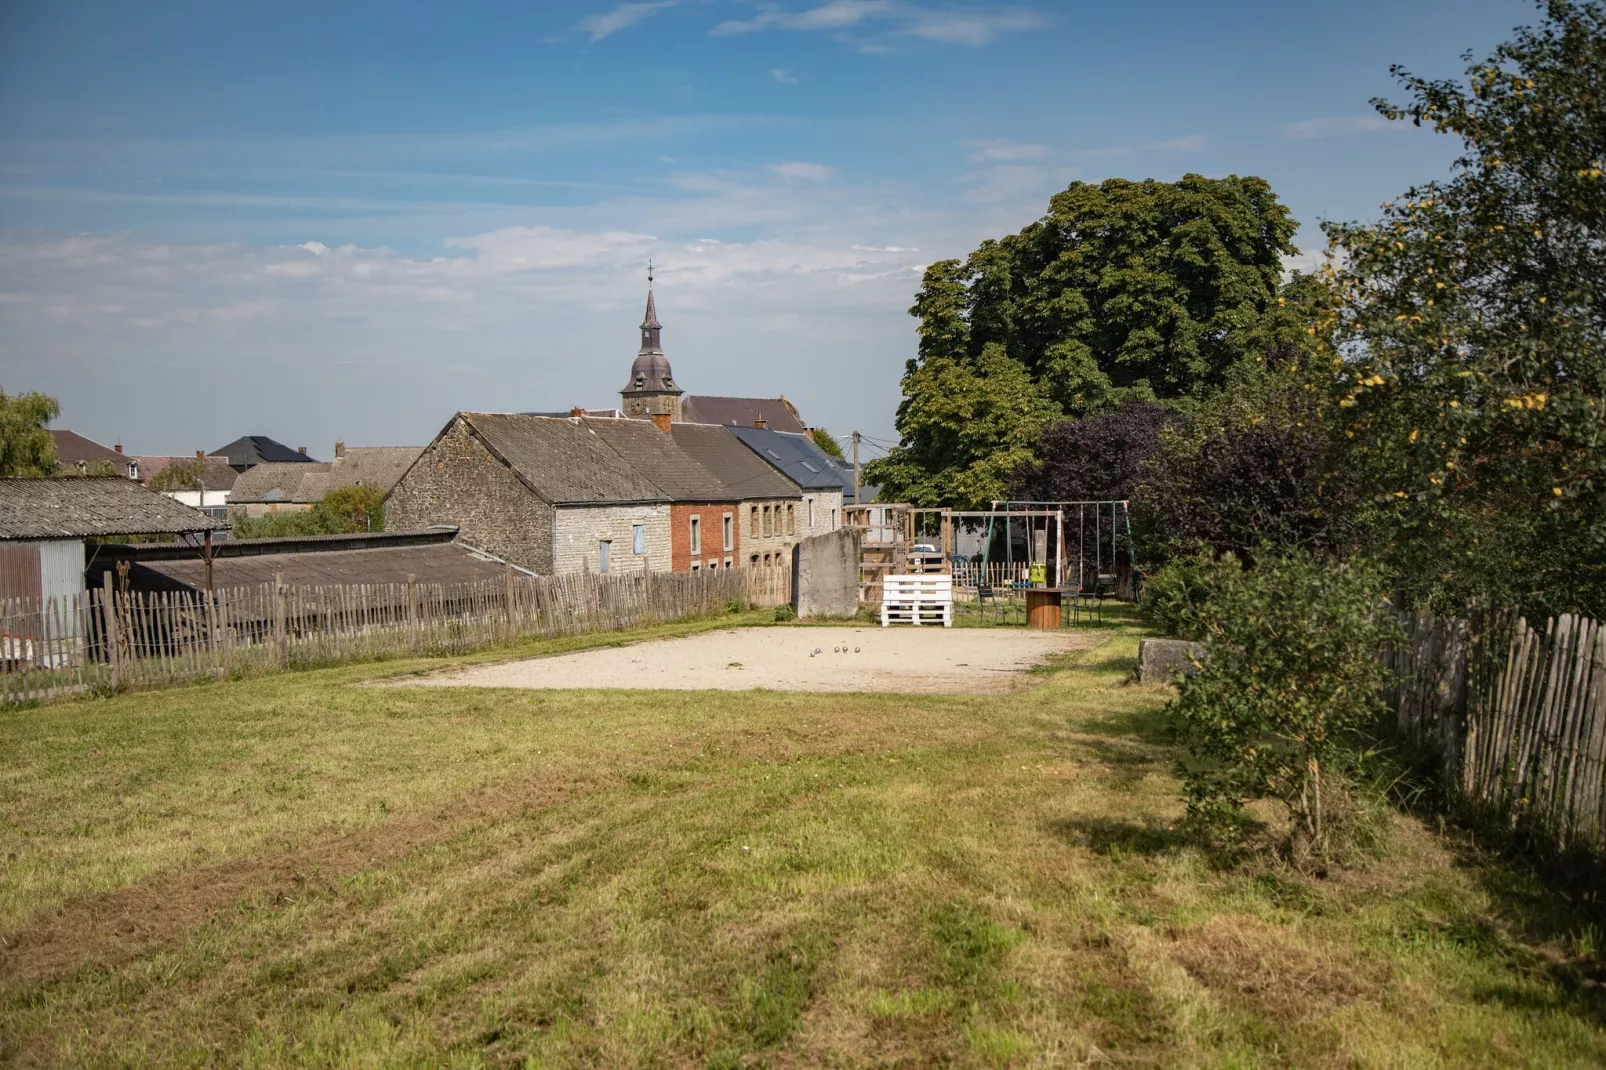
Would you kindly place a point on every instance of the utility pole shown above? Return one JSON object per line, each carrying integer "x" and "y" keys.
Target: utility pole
{"x": 856, "y": 468}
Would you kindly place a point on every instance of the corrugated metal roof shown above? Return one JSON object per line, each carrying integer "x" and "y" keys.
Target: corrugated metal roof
{"x": 430, "y": 563}
{"x": 741, "y": 471}
{"x": 797, "y": 456}
{"x": 777, "y": 413}
{"x": 88, "y": 506}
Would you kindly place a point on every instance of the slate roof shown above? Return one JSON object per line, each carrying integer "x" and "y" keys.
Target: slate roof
{"x": 660, "y": 458}
{"x": 390, "y": 557}
{"x": 366, "y": 466}
{"x": 74, "y": 449}
{"x": 867, "y": 491}
{"x": 249, "y": 450}
{"x": 777, "y": 413}
{"x": 797, "y": 456}
{"x": 743, "y": 473}
{"x": 215, "y": 472}
{"x": 84, "y": 506}
{"x": 563, "y": 460}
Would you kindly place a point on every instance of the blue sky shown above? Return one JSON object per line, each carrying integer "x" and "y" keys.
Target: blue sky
{"x": 349, "y": 220}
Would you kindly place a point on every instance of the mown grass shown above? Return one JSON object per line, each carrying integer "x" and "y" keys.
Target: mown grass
{"x": 296, "y": 869}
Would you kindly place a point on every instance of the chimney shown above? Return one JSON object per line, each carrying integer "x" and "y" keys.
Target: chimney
{"x": 660, "y": 420}
{"x": 340, "y": 448}
{"x": 301, "y": 450}
{"x": 118, "y": 447}
{"x": 760, "y": 422}
{"x": 809, "y": 431}
{"x": 577, "y": 411}
{"x": 200, "y": 456}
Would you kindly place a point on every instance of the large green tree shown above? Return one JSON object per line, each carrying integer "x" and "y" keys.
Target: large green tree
{"x": 1147, "y": 289}
{"x": 1474, "y": 391}
{"x": 26, "y": 448}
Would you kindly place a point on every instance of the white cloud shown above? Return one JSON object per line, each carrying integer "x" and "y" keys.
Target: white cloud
{"x": 898, "y": 18}
{"x": 1190, "y": 143}
{"x": 622, "y": 17}
{"x": 1005, "y": 182}
{"x": 1334, "y": 126}
{"x": 802, "y": 170}
{"x": 137, "y": 337}
{"x": 782, "y": 75}
{"x": 1004, "y": 151}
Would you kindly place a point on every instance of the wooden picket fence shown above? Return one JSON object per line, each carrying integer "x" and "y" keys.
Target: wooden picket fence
{"x": 107, "y": 639}
{"x": 1518, "y": 715}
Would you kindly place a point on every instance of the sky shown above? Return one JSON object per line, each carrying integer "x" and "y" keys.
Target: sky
{"x": 349, "y": 220}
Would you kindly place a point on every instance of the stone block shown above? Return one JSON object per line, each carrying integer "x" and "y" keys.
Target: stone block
{"x": 1161, "y": 661}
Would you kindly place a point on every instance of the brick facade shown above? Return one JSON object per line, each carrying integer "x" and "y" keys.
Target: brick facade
{"x": 458, "y": 481}
{"x": 581, "y": 529}
{"x": 711, "y": 522}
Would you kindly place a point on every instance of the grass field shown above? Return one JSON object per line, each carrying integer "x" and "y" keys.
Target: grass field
{"x": 294, "y": 869}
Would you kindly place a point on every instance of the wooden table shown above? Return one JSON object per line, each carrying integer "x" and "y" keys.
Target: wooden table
{"x": 1043, "y": 605}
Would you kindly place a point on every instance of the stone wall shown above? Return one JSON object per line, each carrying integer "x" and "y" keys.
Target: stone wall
{"x": 772, "y": 540}
{"x": 580, "y": 528}
{"x": 821, "y": 513}
{"x": 711, "y": 517}
{"x": 457, "y": 481}
{"x": 825, "y": 574}
{"x": 1161, "y": 661}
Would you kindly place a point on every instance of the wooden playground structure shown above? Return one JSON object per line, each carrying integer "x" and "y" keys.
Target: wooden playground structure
{"x": 1037, "y": 561}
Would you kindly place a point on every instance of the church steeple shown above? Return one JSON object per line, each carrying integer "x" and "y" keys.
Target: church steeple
{"x": 651, "y": 390}
{"x": 650, "y": 326}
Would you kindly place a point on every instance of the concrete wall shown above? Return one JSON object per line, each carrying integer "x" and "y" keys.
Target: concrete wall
{"x": 457, "y": 481}
{"x": 579, "y": 528}
{"x": 825, "y": 575}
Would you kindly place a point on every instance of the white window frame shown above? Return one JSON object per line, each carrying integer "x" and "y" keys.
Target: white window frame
{"x": 696, "y": 534}
{"x": 638, "y": 539}
{"x": 730, "y": 532}
{"x": 604, "y": 551}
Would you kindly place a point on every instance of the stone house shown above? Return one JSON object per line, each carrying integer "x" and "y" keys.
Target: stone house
{"x": 80, "y": 455}
{"x": 574, "y": 494}
{"x": 292, "y": 487}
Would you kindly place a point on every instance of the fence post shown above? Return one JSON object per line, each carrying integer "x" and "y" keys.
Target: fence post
{"x": 412, "y": 610}
{"x": 281, "y": 640}
{"x": 512, "y": 618}
{"x": 108, "y": 608}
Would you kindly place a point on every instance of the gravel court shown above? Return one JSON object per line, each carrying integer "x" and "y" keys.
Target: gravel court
{"x": 905, "y": 660}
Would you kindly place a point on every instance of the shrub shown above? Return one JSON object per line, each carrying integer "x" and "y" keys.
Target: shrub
{"x": 784, "y": 612}
{"x": 1174, "y": 594}
{"x": 1287, "y": 693}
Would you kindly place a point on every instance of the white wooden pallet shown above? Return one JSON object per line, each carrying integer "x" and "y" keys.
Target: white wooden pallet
{"x": 917, "y": 599}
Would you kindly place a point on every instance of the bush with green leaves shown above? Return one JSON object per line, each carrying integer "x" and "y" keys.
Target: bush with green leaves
{"x": 1287, "y": 696}
{"x": 1175, "y": 593}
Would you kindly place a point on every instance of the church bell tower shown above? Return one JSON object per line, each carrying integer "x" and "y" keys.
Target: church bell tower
{"x": 651, "y": 390}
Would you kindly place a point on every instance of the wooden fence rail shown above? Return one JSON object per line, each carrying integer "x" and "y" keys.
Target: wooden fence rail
{"x": 108, "y": 639}
{"x": 1518, "y": 715}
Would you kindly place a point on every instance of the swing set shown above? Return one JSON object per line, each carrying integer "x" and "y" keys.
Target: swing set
{"x": 1075, "y": 553}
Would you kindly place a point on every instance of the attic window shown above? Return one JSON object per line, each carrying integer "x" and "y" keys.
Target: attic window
{"x": 809, "y": 466}
{"x": 772, "y": 453}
